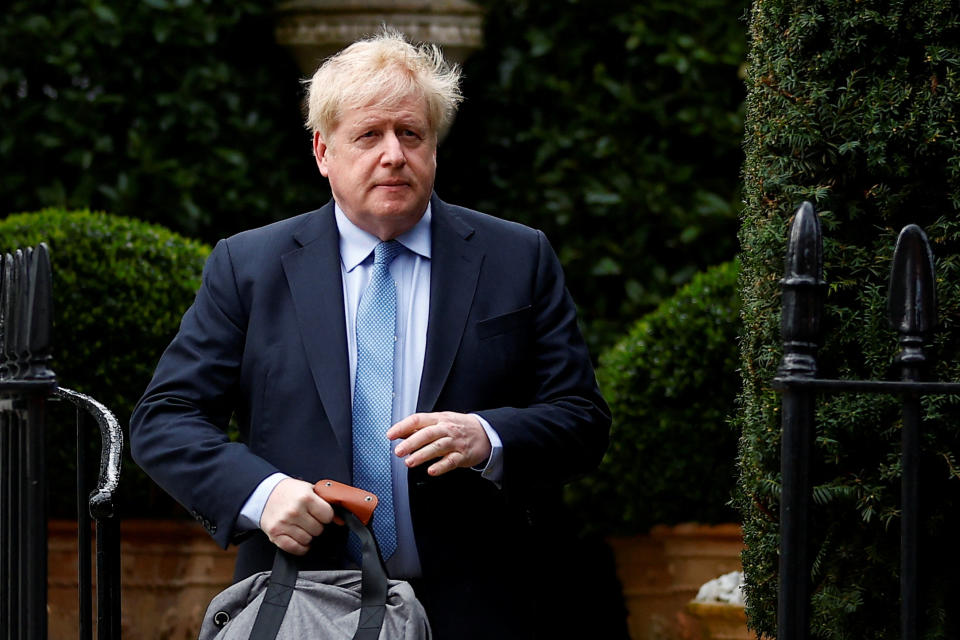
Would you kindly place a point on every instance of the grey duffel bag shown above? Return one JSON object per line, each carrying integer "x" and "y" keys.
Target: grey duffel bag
{"x": 288, "y": 604}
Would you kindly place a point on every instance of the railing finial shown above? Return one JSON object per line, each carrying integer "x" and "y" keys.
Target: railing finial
{"x": 802, "y": 286}
{"x": 40, "y": 314}
{"x": 913, "y": 298}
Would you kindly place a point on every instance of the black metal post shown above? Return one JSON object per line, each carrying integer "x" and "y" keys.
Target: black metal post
{"x": 108, "y": 579}
{"x": 5, "y": 523}
{"x": 802, "y": 287}
{"x": 10, "y": 489}
{"x": 84, "y": 575}
{"x": 912, "y": 312}
{"x": 34, "y": 512}
{"x": 25, "y": 382}
{"x": 10, "y": 596}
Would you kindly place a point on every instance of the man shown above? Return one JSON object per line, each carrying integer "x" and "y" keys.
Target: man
{"x": 419, "y": 350}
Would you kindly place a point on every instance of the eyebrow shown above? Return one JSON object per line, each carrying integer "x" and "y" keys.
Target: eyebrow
{"x": 404, "y": 120}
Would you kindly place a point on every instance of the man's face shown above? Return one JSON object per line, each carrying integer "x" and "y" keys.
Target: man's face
{"x": 381, "y": 162}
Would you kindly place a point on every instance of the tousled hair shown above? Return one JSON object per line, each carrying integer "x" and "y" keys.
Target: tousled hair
{"x": 383, "y": 70}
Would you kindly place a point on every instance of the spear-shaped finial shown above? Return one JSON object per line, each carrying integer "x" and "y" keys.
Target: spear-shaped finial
{"x": 802, "y": 299}
{"x": 913, "y": 298}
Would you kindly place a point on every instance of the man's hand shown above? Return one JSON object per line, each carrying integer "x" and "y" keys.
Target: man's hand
{"x": 458, "y": 439}
{"x": 294, "y": 515}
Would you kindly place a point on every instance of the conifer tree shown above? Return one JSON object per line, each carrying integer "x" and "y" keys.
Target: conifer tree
{"x": 853, "y": 105}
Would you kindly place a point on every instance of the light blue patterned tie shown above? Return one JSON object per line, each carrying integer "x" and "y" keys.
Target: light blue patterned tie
{"x": 373, "y": 394}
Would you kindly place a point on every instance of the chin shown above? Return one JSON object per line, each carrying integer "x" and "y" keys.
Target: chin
{"x": 401, "y": 210}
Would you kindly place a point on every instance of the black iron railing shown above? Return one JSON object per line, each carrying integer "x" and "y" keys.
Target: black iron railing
{"x": 912, "y": 312}
{"x": 26, "y": 382}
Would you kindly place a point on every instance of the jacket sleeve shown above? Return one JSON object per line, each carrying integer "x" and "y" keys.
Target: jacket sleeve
{"x": 178, "y": 431}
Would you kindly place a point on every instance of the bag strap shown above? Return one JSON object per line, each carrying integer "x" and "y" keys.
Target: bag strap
{"x": 283, "y": 580}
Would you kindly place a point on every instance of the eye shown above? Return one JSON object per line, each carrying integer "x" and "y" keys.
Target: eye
{"x": 409, "y": 133}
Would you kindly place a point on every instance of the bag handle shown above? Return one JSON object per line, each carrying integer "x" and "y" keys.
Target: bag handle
{"x": 373, "y": 573}
{"x": 359, "y": 502}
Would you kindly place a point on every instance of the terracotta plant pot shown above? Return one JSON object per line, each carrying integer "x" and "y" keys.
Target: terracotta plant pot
{"x": 721, "y": 621}
{"x": 661, "y": 572}
{"x": 170, "y": 569}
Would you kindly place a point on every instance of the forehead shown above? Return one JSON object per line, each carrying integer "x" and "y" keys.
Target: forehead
{"x": 412, "y": 109}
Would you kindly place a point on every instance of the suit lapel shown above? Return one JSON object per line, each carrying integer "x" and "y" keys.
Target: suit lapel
{"x": 313, "y": 274}
{"x": 455, "y": 268}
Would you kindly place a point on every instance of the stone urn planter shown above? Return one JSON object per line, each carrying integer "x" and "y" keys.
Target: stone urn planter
{"x": 662, "y": 571}
{"x": 315, "y": 29}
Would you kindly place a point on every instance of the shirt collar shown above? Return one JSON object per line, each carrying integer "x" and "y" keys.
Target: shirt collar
{"x": 356, "y": 244}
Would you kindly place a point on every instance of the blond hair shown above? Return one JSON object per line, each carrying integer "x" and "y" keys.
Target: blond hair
{"x": 383, "y": 70}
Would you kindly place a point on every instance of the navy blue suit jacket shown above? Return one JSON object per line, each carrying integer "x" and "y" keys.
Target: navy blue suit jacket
{"x": 265, "y": 341}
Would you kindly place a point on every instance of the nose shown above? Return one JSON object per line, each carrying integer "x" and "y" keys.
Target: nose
{"x": 392, "y": 155}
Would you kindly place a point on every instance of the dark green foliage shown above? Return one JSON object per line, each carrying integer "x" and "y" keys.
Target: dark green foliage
{"x": 120, "y": 287}
{"x": 183, "y": 112}
{"x": 854, "y": 106}
{"x": 671, "y": 385}
{"x": 614, "y": 126}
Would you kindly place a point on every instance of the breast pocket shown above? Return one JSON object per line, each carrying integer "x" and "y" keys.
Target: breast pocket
{"x": 500, "y": 365}
{"x": 505, "y": 323}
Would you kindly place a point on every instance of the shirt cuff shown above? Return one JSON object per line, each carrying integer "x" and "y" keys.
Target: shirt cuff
{"x": 252, "y": 509}
{"x": 493, "y": 470}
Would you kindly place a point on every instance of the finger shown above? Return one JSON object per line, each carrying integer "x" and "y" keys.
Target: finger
{"x": 410, "y": 425}
{"x": 320, "y": 510}
{"x": 420, "y": 439}
{"x": 431, "y": 444}
{"x": 295, "y": 534}
{"x": 309, "y": 525}
{"x": 446, "y": 464}
{"x": 290, "y": 545}
{"x": 431, "y": 451}
{"x": 405, "y": 427}
{"x": 299, "y": 518}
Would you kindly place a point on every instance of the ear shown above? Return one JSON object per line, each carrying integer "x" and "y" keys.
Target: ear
{"x": 320, "y": 153}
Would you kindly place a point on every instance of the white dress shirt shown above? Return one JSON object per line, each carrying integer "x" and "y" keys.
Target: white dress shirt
{"x": 411, "y": 271}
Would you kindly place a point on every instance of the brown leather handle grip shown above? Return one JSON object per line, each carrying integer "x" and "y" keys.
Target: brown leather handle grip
{"x": 359, "y": 502}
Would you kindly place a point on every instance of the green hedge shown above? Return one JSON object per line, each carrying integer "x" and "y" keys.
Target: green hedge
{"x": 179, "y": 112}
{"x": 854, "y": 106}
{"x": 671, "y": 385}
{"x": 120, "y": 287}
{"x": 616, "y": 127}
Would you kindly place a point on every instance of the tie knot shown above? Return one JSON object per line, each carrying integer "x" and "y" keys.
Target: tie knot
{"x": 385, "y": 252}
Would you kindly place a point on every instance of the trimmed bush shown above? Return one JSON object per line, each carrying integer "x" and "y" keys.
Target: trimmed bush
{"x": 854, "y": 106}
{"x": 120, "y": 287}
{"x": 671, "y": 384}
